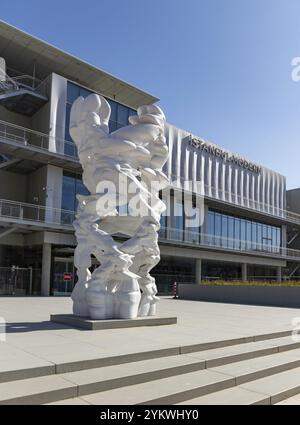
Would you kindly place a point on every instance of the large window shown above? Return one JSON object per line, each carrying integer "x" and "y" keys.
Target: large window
{"x": 119, "y": 114}
{"x": 240, "y": 234}
{"x": 178, "y": 219}
{"x": 72, "y": 186}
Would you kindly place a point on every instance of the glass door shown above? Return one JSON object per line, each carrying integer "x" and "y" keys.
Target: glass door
{"x": 63, "y": 276}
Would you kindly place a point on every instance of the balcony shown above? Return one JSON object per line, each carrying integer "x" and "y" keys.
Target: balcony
{"x": 40, "y": 217}
{"x": 28, "y": 144}
{"x": 218, "y": 243}
{"x": 30, "y": 215}
{"x": 21, "y": 142}
{"x": 23, "y": 94}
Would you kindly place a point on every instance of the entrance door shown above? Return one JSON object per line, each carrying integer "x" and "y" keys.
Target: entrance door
{"x": 63, "y": 276}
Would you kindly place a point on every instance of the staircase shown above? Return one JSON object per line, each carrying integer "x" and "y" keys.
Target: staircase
{"x": 263, "y": 369}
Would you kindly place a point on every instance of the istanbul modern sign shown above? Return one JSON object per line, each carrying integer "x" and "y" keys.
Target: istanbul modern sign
{"x": 224, "y": 155}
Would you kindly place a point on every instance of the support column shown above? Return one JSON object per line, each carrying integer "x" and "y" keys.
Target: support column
{"x": 244, "y": 272}
{"x": 204, "y": 227}
{"x": 198, "y": 271}
{"x": 46, "y": 270}
{"x": 279, "y": 274}
{"x": 283, "y": 236}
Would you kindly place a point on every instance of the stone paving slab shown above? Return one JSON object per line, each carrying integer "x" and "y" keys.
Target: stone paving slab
{"x": 292, "y": 401}
{"x": 36, "y": 390}
{"x": 278, "y": 387}
{"x": 231, "y": 396}
{"x": 167, "y": 391}
{"x": 36, "y": 339}
{"x": 103, "y": 379}
{"x": 257, "y": 368}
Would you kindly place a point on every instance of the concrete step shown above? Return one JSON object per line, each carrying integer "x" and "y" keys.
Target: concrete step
{"x": 291, "y": 401}
{"x": 168, "y": 379}
{"x": 164, "y": 391}
{"x": 35, "y": 390}
{"x": 232, "y": 396}
{"x": 103, "y": 379}
{"x": 236, "y": 353}
{"x": 279, "y": 387}
{"x": 243, "y": 345}
{"x": 184, "y": 387}
{"x": 253, "y": 369}
{"x": 282, "y": 388}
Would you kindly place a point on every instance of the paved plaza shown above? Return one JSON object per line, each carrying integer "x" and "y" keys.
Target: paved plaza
{"x": 32, "y": 340}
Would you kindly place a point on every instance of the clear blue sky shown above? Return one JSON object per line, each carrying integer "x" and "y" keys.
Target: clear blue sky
{"x": 222, "y": 68}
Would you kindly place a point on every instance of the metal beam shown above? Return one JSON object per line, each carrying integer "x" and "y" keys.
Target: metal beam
{"x": 9, "y": 163}
{"x": 294, "y": 271}
{"x": 293, "y": 238}
{"x": 7, "y": 232}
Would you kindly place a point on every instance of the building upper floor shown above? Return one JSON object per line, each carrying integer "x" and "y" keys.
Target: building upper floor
{"x": 38, "y": 157}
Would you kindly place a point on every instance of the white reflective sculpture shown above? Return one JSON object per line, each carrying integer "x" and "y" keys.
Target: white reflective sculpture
{"x": 123, "y": 173}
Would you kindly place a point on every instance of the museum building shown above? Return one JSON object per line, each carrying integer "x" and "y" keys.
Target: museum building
{"x": 250, "y": 227}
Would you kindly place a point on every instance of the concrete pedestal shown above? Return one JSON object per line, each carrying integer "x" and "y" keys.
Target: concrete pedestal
{"x": 95, "y": 325}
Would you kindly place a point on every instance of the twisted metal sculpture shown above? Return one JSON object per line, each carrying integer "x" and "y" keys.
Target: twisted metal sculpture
{"x": 123, "y": 173}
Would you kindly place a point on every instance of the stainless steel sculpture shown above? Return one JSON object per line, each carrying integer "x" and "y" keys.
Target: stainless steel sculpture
{"x": 123, "y": 173}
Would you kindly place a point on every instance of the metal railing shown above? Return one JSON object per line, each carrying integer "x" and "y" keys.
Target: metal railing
{"x": 195, "y": 238}
{"x": 23, "y": 212}
{"x": 24, "y": 81}
{"x": 20, "y": 281}
{"x": 31, "y": 138}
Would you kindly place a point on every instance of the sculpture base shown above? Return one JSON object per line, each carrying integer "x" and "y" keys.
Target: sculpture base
{"x": 95, "y": 325}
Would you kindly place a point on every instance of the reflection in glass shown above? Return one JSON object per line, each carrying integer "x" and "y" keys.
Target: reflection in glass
{"x": 254, "y": 235}
{"x": 248, "y": 235}
{"x": 211, "y": 227}
{"x": 243, "y": 234}
{"x": 238, "y": 233}
{"x": 218, "y": 222}
{"x": 178, "y": 219}
{"x": 231, "y": 232}
{"x": 224, "y": 231}
{"x": 118, "y": 119}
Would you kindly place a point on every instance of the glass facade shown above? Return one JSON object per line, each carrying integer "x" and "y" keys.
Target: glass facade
{"x": 172, "y": 269}
{"x": 222, "y": 230}
{"x": 214, "y": 271}
{"x": 119, "y": 114}
{"x": 238, "y": 233}
{"x": 72, "y": 186}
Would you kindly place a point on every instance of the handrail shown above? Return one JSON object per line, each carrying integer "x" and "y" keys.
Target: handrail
{"x": 35, "y": 213}
{"x": 35, "y": 138}
{"x": 21, "y": 81}
{"x": 55, "y": 216}
{"x": 197, "y": 238}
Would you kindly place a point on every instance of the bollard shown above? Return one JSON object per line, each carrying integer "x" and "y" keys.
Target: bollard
{"x": 175, "y": 297}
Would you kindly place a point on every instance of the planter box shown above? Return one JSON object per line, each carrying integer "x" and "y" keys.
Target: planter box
{"x": 277, "y": 296}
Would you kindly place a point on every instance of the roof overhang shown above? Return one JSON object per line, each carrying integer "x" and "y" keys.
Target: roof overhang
{"x": 21, "y": 50}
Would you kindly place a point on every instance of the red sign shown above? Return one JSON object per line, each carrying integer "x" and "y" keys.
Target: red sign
{"x": 67, "y": 276}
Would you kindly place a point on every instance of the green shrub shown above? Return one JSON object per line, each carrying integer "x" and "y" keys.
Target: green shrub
{"x": 249, "y": 283}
